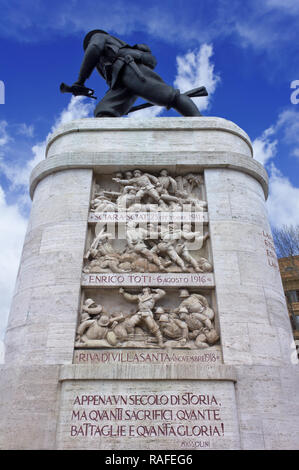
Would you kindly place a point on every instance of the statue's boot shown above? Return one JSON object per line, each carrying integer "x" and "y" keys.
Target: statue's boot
{"x": 185, "y": 106}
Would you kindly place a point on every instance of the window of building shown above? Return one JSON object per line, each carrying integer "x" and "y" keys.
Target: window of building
{"x": 293, "y": 295}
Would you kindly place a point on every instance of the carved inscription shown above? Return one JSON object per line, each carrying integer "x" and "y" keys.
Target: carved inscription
{"x": 148, "y": 279}
{"x": 156, "y": 414}
{"x": 270, "y": 250}
{"x": 212, "y": 356}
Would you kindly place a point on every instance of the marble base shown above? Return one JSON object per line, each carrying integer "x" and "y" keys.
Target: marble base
{"x": 213, "y": 407}
{"x": 245, "y": 387}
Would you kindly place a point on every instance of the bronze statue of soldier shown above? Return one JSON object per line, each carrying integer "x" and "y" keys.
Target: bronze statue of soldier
{"x": 129, "y": 73}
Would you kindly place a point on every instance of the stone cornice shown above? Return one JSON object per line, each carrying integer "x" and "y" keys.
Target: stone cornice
{"x": 178, "y": 162}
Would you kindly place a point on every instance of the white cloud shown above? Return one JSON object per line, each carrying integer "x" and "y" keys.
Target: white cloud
{"x": 289, "y": 6}
{"x": 78, "y": 108}
{"x": 285, "y": 129}
{"x": 263, "y": 148}
{"x": 193, "y": 69}
{"x": 4, "y": 137}
{"x": 196, "y": 69}
{"x": 288, "y": 124}
{"x": 25, "y": 129}
{"x": 283, "y": 200}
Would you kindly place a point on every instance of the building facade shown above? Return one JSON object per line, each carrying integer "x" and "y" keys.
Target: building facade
{"x": 289, "y": 269}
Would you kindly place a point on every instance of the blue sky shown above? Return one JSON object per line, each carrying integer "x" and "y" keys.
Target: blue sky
{"x": 244, "y": 51}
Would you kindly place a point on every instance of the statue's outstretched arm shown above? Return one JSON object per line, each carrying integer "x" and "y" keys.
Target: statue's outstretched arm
{"x": 91, "y": 57}
{"x": 127, "y": 296}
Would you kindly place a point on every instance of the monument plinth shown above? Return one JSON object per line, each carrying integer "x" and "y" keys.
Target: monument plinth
{"x": 148, "y": 311}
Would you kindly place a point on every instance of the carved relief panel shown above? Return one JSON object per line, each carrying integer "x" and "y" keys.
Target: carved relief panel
{"x": 147, "y": 246}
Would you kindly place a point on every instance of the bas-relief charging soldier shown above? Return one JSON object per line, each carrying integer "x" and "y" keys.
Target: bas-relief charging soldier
{"x": 145, "y": 184}
{"x": 136, "y": 237}
{"x": 146, "y": 301}
{"x": 129, "y": 73}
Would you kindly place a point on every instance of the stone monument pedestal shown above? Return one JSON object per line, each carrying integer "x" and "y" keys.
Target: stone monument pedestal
{"x": 63, "y": 386}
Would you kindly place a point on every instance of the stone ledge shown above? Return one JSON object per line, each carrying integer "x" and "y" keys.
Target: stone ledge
{"x": 147, "y": 372}
{"x": 204, "y": 123}
{"x": 179, "y": 162}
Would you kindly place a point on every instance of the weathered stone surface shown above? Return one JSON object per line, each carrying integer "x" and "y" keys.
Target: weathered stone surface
{"x": 204, "y": 133}
{"x": 266, "y": 408}
{"x": 28, "y": 407}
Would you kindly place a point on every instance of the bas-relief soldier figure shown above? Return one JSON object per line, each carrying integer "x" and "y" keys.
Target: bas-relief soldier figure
{"x": 127, "y": 198}
{"x": 199, "y": 316}
{"x": 90, "y": 309}
{"x": 166, "y": 246}
{"x": 197, "y": 304}
{"x": 167, "y": 182}
{"x": 102, "y": 204}
{"x": 136, "y": 237}
{"x": 173, "y": 328}
{"x": 145, "y": 184}
{"x": 129, "y": 73}
{"x": 146, "y": 301}
{"x": 201, "y": 265}
{"x": 95, "y": 325}
{"x": 102, "y": 255}
{"x": 92, "y": 332}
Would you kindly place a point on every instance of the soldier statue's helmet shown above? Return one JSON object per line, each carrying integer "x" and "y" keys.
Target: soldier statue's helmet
{"x": 184, "y": 293}
{"x": 212, "y": 336}
{"x": 104, "y": 320}
{"x": 89, "y": 302}
{"x": 183, "y": 310}
{"x": 159, "y": 310}
{"x": 164, "y": 172}
{"x": 89, "y": 35}
{"x": 164, "y": 319}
